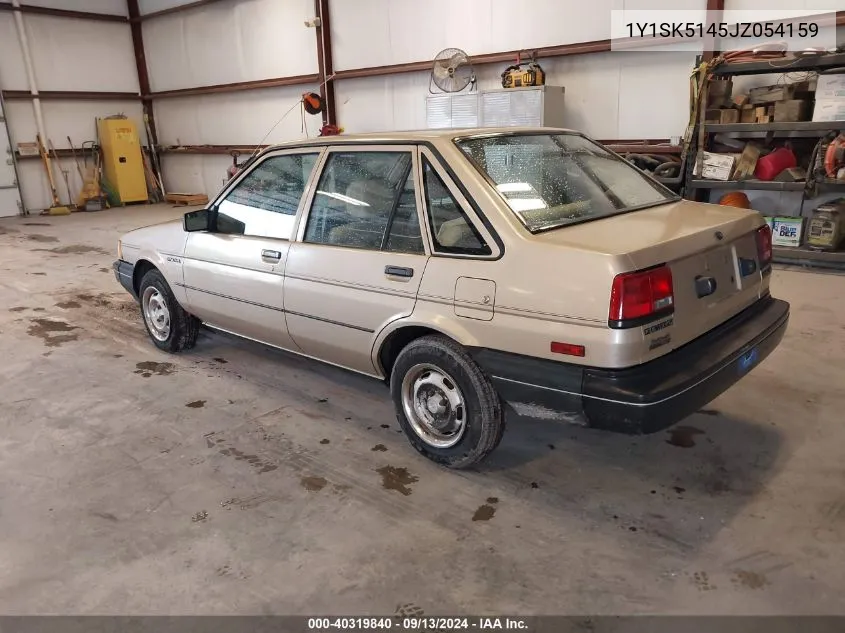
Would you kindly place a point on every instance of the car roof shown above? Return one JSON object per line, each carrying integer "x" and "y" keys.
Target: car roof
{"x": 417, "y": 136}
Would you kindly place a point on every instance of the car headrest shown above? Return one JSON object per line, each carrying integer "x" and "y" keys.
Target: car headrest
{"x": 453, "y": 232}
{"x": 368, "y": 199}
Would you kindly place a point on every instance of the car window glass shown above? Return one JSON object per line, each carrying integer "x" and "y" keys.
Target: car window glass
{"x": 264, "y": 203}
{"x": 451, "y": 229}
{"x": 551, "y": 180}
{"x": 355, "y": 198}
{"x": 404, "y": 235}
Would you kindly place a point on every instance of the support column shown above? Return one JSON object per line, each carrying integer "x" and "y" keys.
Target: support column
{"x": 324, "y": 61}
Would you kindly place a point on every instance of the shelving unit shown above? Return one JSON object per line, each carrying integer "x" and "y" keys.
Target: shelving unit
{"x": 695, "y": 187}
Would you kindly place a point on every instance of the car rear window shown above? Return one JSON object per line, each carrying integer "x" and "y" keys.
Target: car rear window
{"x": 553, "y": 180}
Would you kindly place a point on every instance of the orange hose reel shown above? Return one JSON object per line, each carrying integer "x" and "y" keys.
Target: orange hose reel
{"x": 735, "y": 199}
{"x": 834, "y": 157}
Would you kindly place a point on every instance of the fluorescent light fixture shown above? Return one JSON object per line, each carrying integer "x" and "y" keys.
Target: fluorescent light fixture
{"x": 526, "y": 204}
{"x": 343, "y": 198}
{"x": 514, "y": 187}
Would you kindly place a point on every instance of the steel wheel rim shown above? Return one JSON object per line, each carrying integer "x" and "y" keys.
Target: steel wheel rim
{"x": 434, "y": 406}
{"x": 156, "y": 313}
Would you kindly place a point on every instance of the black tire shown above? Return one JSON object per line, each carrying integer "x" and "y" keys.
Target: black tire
{"x": 484, "y": 418}
{"x": 184, "y": 327}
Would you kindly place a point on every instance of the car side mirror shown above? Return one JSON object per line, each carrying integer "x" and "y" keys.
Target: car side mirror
{"x": 197, "y": 221}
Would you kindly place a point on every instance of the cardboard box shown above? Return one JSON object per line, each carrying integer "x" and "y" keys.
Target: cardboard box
{"x": 829, "y": 110}
{"x": 28, "y": 149}
{"x": 716, "y": 166}
{"x": 830, "y": 86}
{"x": 830, "y": 94}
{"x": 791, "y": 111}
{"x": 786, "y": 230}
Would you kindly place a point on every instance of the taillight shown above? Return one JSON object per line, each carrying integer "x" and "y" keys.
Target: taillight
{"x": 637, "y": 297}
{"x": 764, "y": 245}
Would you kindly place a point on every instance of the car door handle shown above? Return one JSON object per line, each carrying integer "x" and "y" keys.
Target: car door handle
{"x": 398, "y": 271}
{"x": 274, "y": 255}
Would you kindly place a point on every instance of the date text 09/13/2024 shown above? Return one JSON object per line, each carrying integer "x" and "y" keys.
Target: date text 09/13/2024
{"x": 741, "y": 30}
{"x": 420, "y": 623}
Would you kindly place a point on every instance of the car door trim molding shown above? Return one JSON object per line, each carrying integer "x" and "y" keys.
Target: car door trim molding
{"x": 344, "y": 284}
{"x": 275, "y": 309}
{"x": 222, "y": 296}
{"x": 506, "y": 310}
{"x": 330, "y": 321}
{"x": 228, "y": 265}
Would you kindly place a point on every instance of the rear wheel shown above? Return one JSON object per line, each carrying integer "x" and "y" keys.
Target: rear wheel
{"x": 170, "y": 328}
{"x": 447, "y": 407}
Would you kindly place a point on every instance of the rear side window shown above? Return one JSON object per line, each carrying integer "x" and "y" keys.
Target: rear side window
{"x": 451, "y": 229}
{"x": 265, "y": 202}
{"x": 366, "y": 200}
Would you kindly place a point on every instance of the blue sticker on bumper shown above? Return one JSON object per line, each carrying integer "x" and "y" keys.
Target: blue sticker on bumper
{"x": 747, "y": 360}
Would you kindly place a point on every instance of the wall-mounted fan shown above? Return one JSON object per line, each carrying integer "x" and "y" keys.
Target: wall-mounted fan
{"x": 452, "y": 71}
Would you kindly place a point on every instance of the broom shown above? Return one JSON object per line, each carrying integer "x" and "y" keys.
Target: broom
{"x": 57, "y": 208}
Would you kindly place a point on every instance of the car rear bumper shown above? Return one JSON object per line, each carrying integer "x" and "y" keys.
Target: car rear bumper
{"x": 123, "y": 272}
{"x": 646, "y": 398}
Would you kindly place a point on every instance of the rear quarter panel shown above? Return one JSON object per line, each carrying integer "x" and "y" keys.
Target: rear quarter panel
{"x": 541, "y": 295}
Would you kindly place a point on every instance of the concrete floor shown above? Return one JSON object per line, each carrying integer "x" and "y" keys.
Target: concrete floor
{"x": 238, "y": 479}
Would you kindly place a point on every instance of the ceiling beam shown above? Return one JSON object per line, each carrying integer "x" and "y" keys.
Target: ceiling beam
{"x": 71, "y": 95}
{"x": 582, "y": 48}
{"x": 324, "y": 61}
{"x": 172, "y": 10}
{"x": 65, "y": 13}
{"x": 236, "y": 87}
{"x": 715, "y": 8}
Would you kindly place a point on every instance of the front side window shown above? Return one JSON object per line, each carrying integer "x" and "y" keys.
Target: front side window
{"x": 366, "y": 200}
{"x": 552, "y": 180}
{"x": 265, "y": 202}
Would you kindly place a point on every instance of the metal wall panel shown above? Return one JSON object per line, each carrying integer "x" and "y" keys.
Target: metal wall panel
{"x": 608, "y": 95}
{"x": 377, "y": 32}
{"x": 195, "y": 173}
{"x": 113, "y": 7}
{"x": 12, "y": 71}
{"x": 235, "y": 118}
{"x": 68, "y": 118}
{"x": 151, "y": 6}
{"x": 71, "y": 54}
{"x": 228, "y": 42}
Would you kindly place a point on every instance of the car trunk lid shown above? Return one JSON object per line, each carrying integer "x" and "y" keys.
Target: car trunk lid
{"x": 711, "y": 251}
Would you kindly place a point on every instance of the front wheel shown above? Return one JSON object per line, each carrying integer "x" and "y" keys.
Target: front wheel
{"x": 447, "y": 407}
{"x": 170, "y": 328}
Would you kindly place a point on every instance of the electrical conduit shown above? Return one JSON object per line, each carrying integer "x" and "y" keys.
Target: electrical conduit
{"x": 30, "y": 72}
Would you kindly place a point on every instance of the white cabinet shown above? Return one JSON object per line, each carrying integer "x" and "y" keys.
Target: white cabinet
{"x": 538, "y": 106}
{"x": 452, "y": 110}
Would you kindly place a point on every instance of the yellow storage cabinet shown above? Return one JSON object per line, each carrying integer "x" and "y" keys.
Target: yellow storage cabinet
{"x": 123, "y": 162}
